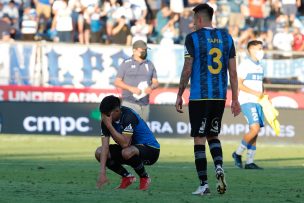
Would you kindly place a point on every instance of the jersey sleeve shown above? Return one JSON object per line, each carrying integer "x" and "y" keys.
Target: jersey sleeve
{"x": 154, "y": 74}
{"x": 129, "y": 123}
{"x": 104, "y": 130}
{"x": 189, "y": 46}
{"x": 232, "y": 53}
{"x": 121, "y": 70}
{"x": 241, "y": 71}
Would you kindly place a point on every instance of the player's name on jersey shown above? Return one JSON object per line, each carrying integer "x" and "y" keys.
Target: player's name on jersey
{"x": 215, "y": 40}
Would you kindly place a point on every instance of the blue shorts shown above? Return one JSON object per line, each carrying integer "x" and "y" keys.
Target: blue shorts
{"x": 253, "y": 113}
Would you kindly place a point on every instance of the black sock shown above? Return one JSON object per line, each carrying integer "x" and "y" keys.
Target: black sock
{"x": 216, "y": 151}
{"x": 117, "y": 168}
{"x": 136, "y": 163}
{"x": 201, "y": 163}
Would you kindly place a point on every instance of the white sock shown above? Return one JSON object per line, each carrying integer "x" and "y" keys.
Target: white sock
{"x": 250, "y": 156}
{"x": 242, "y": 147}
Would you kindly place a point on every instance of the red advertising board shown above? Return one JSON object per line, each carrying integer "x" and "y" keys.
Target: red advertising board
{"x": 90, "y": 95}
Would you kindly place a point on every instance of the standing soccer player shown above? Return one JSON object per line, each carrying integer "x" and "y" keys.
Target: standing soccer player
{"x": 250, "y": 81}
{"x": 209, "y": 55}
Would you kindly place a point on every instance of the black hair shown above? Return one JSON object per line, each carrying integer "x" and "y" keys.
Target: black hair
{"x": 204, "y": 8}
{"x": 108, "y": 104}
{"x": 254, "y": 43}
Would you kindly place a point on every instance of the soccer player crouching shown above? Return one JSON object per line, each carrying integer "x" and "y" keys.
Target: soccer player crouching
{"x": 135, "y": 144}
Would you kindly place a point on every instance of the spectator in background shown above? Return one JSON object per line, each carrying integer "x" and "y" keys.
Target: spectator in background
{"x": 236, "y": 17}
{"x": 12, "y": 11}
{"x": 283, "y": 41}
{"x": 290, "y": 9}
{"x": 109, "y": 10}
{"x": 177, "y": 6}
{"x": 5, "y": 28}
{"x": 27, "y": 4}
{"x": 29, "y": 25}
{"x": 169, "y": 34}
{"x": 298, "y": 40}
{"x": 43, "y": 8}
{"x": 155, "y": 6}
{"x": 1, "y": 10}
{"x": 162, "y": 19}
{"x": 245, "y": 37}
{"x": 192, "y": 3}
{"x": 185, "y": 24}
{"x": 140, "y": 30}
{"x": 62, "y": 22}
{"x": 57, "y": 5}
{"x": 76, "y": 8}
{"x": 97, "y": 27}
{"x": 89, "y": 7}
{"x": 256, "y": 18}
{"x": 121, "y": 33}
{"x": 139, "y": 9}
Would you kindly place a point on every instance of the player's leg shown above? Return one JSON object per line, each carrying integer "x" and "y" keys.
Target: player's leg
{"x": 217, "y": 155}
{"x": 114, "y": 163}
{"x": 251, "y": 114}
{"x": 216, "y": 110}
{"x": 131, "y": 155}
{"x": 198, "y": 119}
{"x": 148, "y": 155}
{"x": 251, "y": 146}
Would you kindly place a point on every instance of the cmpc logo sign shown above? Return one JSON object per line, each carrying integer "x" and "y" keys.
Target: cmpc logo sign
{"x": 62, "y": 125}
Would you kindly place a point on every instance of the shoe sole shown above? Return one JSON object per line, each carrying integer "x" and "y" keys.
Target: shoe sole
{"x": 221, "y": 185}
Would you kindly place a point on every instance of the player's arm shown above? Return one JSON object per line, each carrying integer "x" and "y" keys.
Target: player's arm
{"x": 247, "y": 89}
{"x": 103, "y": 160}
{"x": 154, "y": 82}
{"x": 235, "y": 106}
{"x": 122, "y": 139}
{"x": 233, "y": 78}
{"x": 186, "y": 73}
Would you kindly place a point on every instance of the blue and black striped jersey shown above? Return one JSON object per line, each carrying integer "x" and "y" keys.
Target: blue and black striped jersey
{"x": 131, "y": 124}
{"x": 211, "y": 50}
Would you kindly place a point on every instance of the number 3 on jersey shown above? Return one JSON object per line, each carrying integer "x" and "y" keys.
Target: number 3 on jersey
{"x": 216, "y": 59}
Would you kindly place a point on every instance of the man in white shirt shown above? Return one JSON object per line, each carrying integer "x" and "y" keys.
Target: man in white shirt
{"x": 250, "y": 82}
{"x": 283, "y": 40}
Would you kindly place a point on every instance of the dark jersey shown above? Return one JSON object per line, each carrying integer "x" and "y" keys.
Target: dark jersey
{"x": 211, "y": 50}
{"x": 131, "y": 124}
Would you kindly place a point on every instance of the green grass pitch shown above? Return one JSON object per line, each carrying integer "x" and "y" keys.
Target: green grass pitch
{"x": 63, "y": 169}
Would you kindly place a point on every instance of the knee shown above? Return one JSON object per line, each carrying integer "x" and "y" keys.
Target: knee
{"x": 98, "y": 153}
{"x": 255, "y": 129}
{"x": 127, "y": 153}
{"x": 199, "y": 140}
{"x": 212, "y": 138}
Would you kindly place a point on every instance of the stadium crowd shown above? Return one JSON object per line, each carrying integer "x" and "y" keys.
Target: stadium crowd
{"x": 279, "y": 23}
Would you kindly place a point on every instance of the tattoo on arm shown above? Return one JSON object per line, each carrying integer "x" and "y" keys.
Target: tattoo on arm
{"x": 186, "y": 73}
